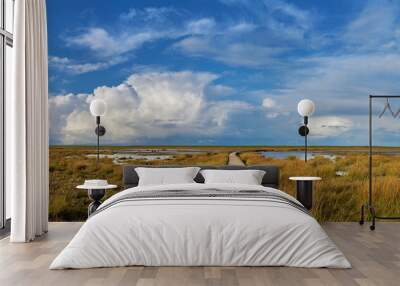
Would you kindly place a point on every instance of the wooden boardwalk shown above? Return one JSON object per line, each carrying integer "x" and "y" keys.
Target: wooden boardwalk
{"x": 234, "y": 160}
{"x": 375, "y": 257}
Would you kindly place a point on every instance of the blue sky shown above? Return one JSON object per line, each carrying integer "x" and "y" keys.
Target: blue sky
{"x": 226, "y": 72}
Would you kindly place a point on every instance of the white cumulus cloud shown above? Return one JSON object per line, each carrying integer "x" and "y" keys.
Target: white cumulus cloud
{"x": 104, "y": 44}
{"x": 201, "y": 26}
{"x": 146, "y": 105}
{"x": 73, "y": 67}
{"x": 268, "y": 103}
{"x": 329, "y": 126}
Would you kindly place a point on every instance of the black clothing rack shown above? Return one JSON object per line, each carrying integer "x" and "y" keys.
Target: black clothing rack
{"x": 369, "y": 205}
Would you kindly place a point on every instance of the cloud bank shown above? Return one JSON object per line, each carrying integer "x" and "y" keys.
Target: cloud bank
{"x": 146, "y": 105}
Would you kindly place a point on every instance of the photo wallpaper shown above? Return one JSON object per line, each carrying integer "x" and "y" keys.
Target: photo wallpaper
{"x": 202, "y": 82}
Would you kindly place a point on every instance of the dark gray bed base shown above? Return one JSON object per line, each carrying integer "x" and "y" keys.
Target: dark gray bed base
{"x": 271, "y": 178}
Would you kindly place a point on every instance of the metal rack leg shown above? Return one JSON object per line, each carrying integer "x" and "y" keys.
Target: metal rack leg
{"x": 372, "y": 210}
{"x": 362, "y": 215}
{"x": 373, "y": 215}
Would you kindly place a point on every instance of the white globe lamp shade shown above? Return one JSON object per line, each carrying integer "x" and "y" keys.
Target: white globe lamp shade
{"x": 98, "y": 107}
{"x": 306, "y": 107}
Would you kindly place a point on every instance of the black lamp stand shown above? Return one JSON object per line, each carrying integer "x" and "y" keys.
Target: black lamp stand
{"x": 100, "y": 131}
{"x": 303, "y": 131}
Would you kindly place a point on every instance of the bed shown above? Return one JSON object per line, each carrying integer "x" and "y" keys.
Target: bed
{"x": 198, "y": 224}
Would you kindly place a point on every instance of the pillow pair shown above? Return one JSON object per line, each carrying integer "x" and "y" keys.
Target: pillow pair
{"x": 163, "y": 176}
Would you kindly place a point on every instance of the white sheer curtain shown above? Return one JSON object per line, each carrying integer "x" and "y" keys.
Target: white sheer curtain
{"x": 27, "y": 123}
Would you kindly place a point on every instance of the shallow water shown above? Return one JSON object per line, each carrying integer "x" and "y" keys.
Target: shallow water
{"x": 326, "y": 154}
{"x": 298, "y": 154}
{"x": 120, "y": 156}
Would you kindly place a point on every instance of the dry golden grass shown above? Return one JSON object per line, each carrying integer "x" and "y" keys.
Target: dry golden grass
{"x": 340, "y": 198}
{"x": 336, "y": 198}
{"x": 69, "y": 167}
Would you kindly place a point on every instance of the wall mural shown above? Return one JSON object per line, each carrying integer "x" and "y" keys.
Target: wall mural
{"x": 216, "y": 82}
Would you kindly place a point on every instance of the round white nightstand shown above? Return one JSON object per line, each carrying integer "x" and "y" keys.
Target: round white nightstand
{"x": 304, "y": 192}
{"x": 95, "y": 193}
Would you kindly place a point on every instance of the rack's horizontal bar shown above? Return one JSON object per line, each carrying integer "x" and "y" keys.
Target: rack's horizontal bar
{"x": 384, "y": 96}
{"x": 387, "y": 217}
{"x": 368, "y": 206}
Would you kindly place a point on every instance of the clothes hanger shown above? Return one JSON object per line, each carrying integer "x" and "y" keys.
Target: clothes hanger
{"x": 387, "y": 106}
{"x": 397, "y": 113}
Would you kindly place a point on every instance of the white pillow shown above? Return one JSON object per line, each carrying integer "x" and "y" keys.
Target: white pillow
{"x": 248, "y": 177}
{"x": 165, "y": 176}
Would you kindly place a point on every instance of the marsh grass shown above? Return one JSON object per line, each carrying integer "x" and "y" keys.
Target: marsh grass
{"x": 339, "y": 198}
{"x": 335, "y": 198}
{"x": 69, "y": 167}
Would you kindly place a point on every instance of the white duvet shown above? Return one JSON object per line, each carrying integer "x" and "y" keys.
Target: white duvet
{"x": 199, "y": 231}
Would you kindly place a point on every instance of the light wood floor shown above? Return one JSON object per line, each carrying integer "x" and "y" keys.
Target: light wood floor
{"x": 375, "y": 257}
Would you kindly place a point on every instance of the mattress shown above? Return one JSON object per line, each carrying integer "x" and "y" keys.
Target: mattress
{"x": 201, "y": 225}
